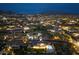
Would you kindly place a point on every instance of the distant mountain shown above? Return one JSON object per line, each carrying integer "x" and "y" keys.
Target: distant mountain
{"x": 60, "y": 13}
{"x": 7, "y": 12}
{"x": 46, "y": 13}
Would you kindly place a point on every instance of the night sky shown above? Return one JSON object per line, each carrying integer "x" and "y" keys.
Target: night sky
{"x": 33, "y": 8}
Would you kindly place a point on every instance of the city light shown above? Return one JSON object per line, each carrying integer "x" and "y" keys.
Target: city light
{"x": 56, "y": 37}
{"x": 76, "y": 34}
{"x": 65, "y": 28}
{"x": 26, "y": 28}
{"x": 40, "y": 46}
{"x": 53, "y": 33}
